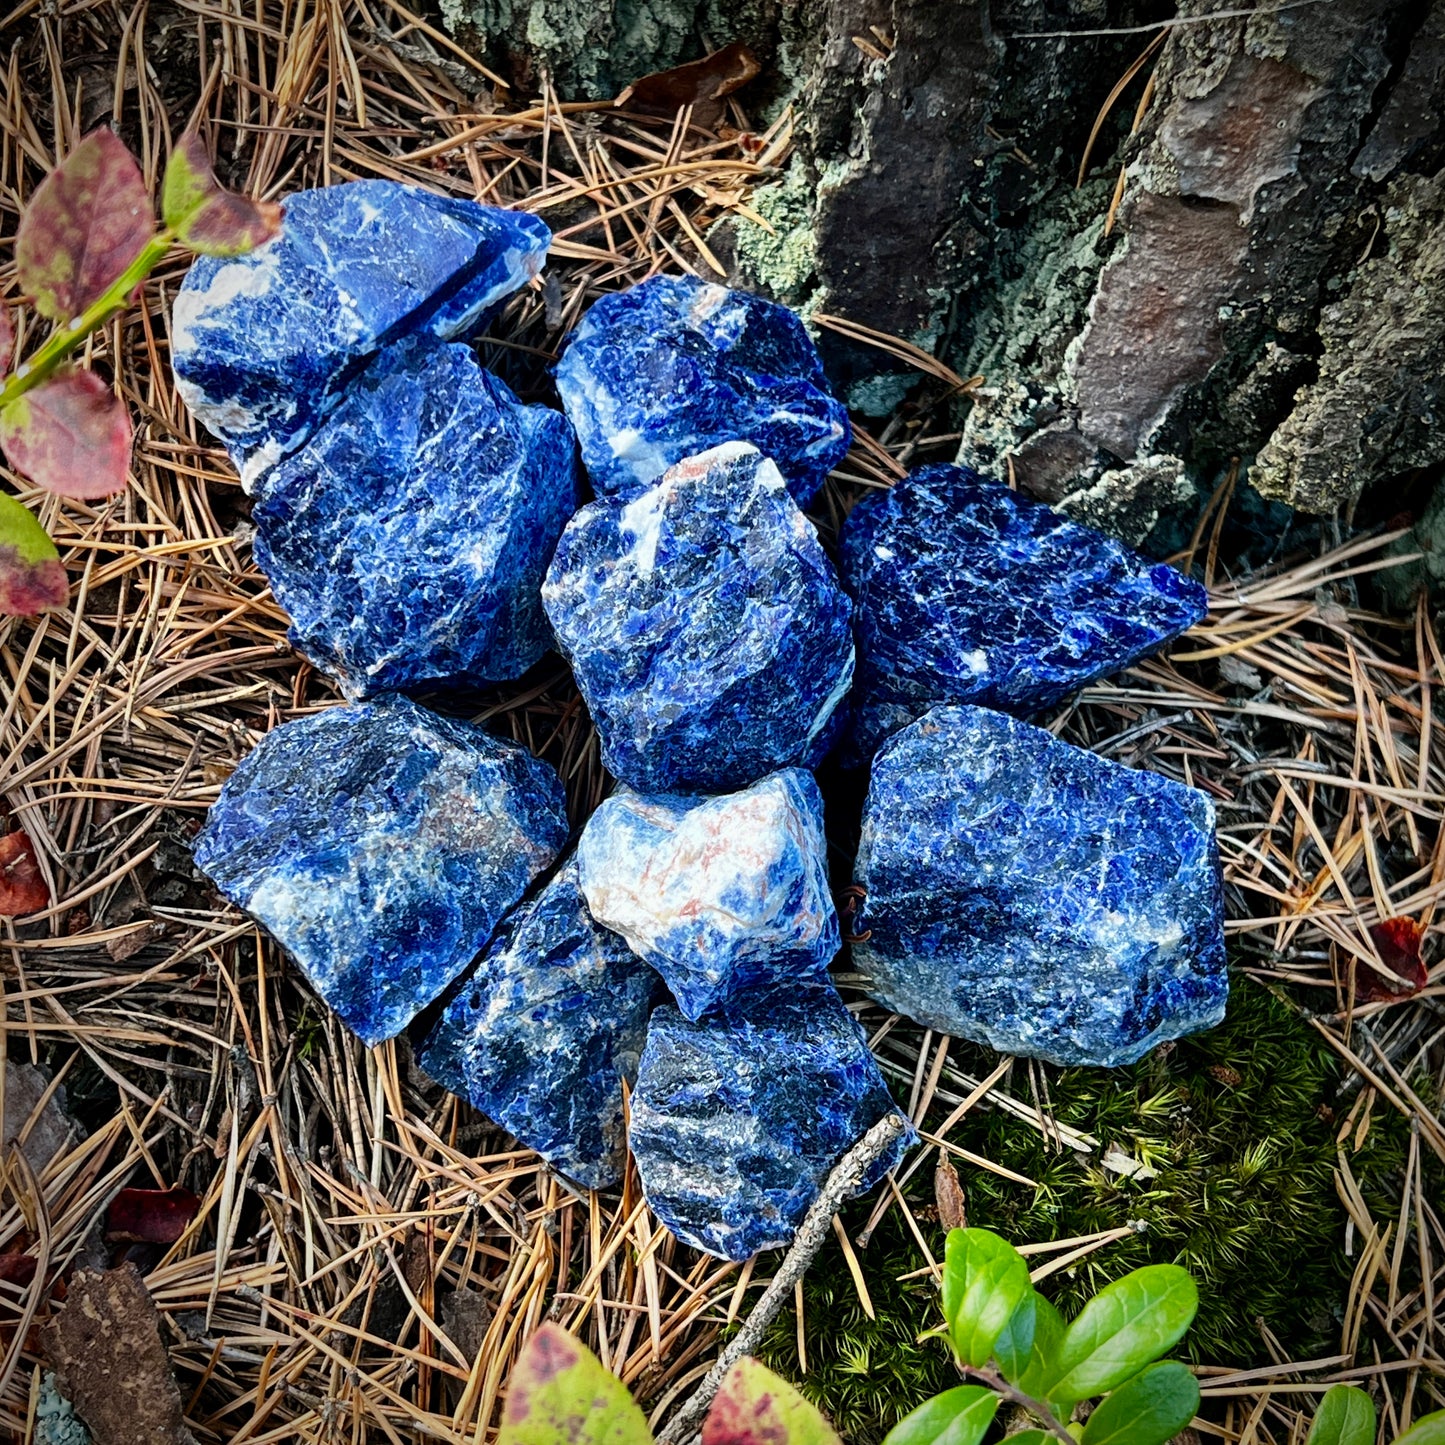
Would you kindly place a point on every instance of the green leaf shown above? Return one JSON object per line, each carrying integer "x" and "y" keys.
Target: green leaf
{"x": 1346, "y": 1416}
{"x": 1427, "y": 1430}
{"x": 560, "y": 1395}
{"x": 1148, "y": 1410}
{"x": 756, "y": 1407}
{"x": 1125, "y": 1326}
{"x": 1014, "y": 1347}
{"x": 87, "y": 221}
{"x": 1028, "y": 1437}
{"x": 204, "y": 216}
{"x": 71, "y": 435}
{"x": 956, "y": 1417}
{"x": 1043, "y": 1353}
{"x": 31, "y": 577}
{"x": 984, "y": 1281}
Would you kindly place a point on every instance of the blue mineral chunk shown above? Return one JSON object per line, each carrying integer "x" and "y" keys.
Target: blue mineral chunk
{"x": 262, "y": 344}
{"x": 543, "y": 1033}
{"x": 1035, "y": 897}
{"x": 675, "y": 366}
{"x": 705, "y": 626}
{"x": 739, "y": 1118}
{"x": 969, "y": 593}
{"x": 719, "y": 894}
{"x": 408, "y": 538}
{"x": 381, "y": 844}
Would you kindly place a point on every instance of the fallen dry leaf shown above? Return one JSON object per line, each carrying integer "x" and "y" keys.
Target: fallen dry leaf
{"x": 948, "y": 1192}
{"x": 710, "y": 78}
{"x": 106, "y": 1350}
{"x": 1397, "y": 941}
{"x": 153, "y": 1216}
{"x": 23, "y": 888}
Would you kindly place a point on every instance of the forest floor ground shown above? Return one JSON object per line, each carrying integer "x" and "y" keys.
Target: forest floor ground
{"x": 369, "y": 1252}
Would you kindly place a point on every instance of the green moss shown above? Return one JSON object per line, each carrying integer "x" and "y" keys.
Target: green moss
{"x": 1238, "y": 1126}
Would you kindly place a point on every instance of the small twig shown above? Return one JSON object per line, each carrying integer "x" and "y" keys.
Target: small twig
{"x": 841, "y": 1185}
{"x": 1037, "y": 1408}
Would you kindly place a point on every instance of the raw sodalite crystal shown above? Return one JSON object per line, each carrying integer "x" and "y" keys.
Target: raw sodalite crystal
{"x": 969, "y": 593}
{"x": 675, "y": 365}
{"x": 543, "y": 1033}
{"x": 1035, "y": 897}
{"x": 262, "y": 344}
{"x": 705, "y": 626}
{"x": 381, "y": 844}
{"x": 721, "y": 895}
{"x": 738, "y": 1119}
{"x": 409, "y": 536}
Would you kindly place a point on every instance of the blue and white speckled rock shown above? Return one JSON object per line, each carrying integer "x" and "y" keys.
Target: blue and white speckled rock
{"x": 719, "y": 894}
{"x": 381, "y": 844}
{"x": 408, "y": 538}
{"x": 675, "y": 366}
{"x": 1035, "y": 897}
{"x": 738, "y": 1119}
{"x": 969, "y": 593}
{"x": 546, "y": 1028}
{"x": 705, "y": 626}
{"x": 263, "y": 343}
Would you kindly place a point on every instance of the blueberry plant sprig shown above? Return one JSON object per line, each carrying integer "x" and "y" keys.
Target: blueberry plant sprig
{"x": 1017, "y": 1348}
{"x": 86, "y": 242}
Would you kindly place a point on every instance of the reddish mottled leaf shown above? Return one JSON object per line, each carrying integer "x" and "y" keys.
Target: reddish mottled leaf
{"x": 948, "y": 1194}
{"x": 18, "y": 1269}
{"x": 7, "y": 341}
{"x": 31, "y": 577}
{"x": 71, "y": 435}
{"x": 710, "y": 78}
{"x": 754, "y": 1406}
{"x": 560, "y": 1394}
{"x": 205, "y": 217}
{"x": 89, "y": 219}
{"x": 154, "y": 1216}
{"x": 23, "y": 888}
{"x": 1397, "y": 941}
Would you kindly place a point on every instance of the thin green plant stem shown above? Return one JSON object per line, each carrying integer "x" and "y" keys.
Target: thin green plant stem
{"x": 64, "y": 339}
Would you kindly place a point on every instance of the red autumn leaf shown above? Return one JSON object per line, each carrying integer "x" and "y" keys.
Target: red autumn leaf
{"x": 206, "y": 217}
{"x": 17, "y": 1268}
{"x": 710, "y": 78}
{"x": 89, "y": 219}
{"x": 1397, "y": 941}
{"x": 23, "y": 888}
{"x": 7, "y": 341}
{"x": 31, "y": 577}
{"x": 70, "y": 435}
{"x": 154, "y": 1216}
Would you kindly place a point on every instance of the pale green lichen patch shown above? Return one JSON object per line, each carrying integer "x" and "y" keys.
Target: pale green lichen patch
{"x": 783, "y": 260}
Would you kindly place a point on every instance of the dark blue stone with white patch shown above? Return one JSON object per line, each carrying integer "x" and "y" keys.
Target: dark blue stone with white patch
{"x": 543, "y": 1033}
{"x": 738, "y": 1119}
{"x": 969, "y": 593}
{"x": 262, "y": 344}
{"x": 408, "y": 538}
{"x": 1035, "y": 897}
{"x": 704, "y": 624}
{"x": 675, "y": 366}
{"x": 381, "y": 844}
{"x": 720, "y": 894}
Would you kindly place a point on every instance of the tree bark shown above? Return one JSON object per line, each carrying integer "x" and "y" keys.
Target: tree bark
{"x": 1252, "y": 268}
